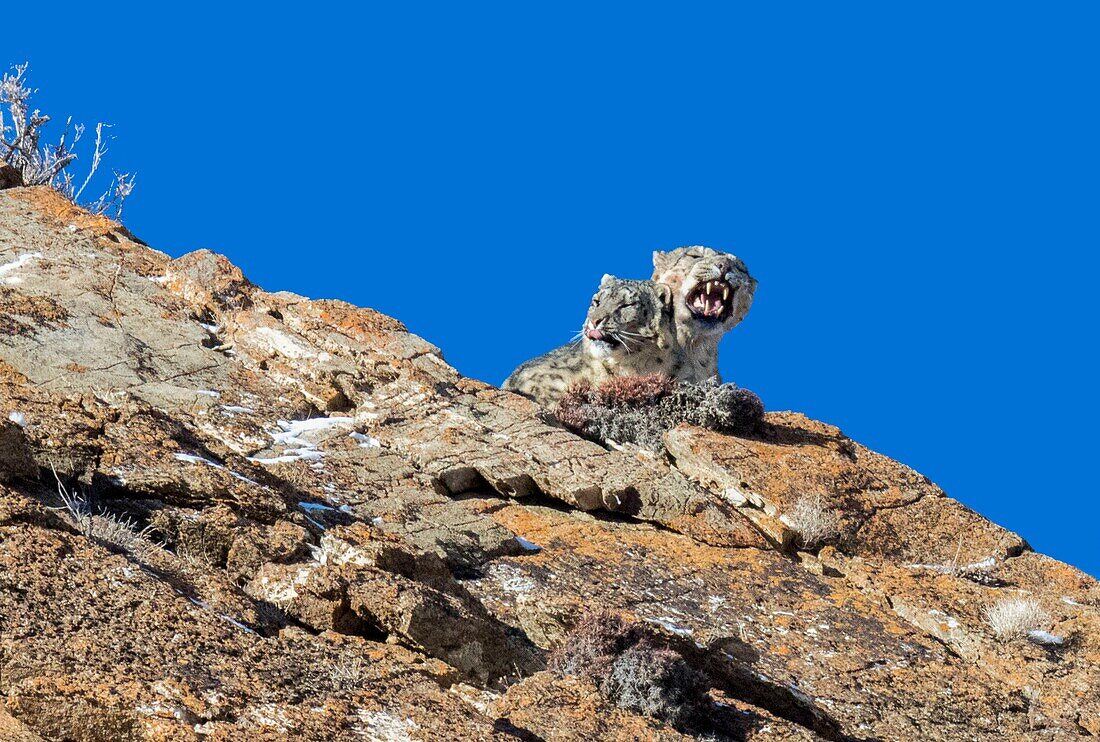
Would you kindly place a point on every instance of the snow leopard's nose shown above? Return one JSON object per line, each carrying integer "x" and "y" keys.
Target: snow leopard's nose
{"x": 593, "y": 334}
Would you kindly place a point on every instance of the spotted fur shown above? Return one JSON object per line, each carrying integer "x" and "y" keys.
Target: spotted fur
{"x": 635, "y": 316}
{"x": 683, "y": 270}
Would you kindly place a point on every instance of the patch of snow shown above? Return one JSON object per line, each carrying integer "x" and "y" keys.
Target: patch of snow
{"x": 242, "y": 477}
{"x": 292, "y": 430}
{"x": 234, "y": 409}
{"x": 208, "y": 393}
{"x": 377, "y": 521}
{"x": 158, "y": 279}
{"x": 301, "y": 449}
{"x": 307, "y": 506}
{"x": 320, "y": 527}
{"x": 528, "y": 545}
{"x": 297, "y": 454}
{"x": 193, "y": 459}
{"x": 511, "y": 579}
{"x": 1070, "y": 601}
{"x": 238, "y": 624}
{"x": 1045, "y": 637}
{"x": 212, "y": 329}
{"x": 18, "y": 418}
{"x": 668, "y": 624}
{"x": 15, "y": 265}
{"x": 365, "y": 441}
{"x": 311, "y": 507}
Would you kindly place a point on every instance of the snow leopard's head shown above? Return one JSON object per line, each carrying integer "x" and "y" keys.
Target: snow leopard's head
{"x": 713, "y": 290}
{"x": 627, "y": 317}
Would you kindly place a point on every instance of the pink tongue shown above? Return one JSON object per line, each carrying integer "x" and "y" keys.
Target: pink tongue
{"x": 709, "y": 307}
{"x": 594, "y": 334}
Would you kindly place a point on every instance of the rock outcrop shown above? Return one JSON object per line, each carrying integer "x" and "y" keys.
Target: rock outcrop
{"x": 229, "y": 514}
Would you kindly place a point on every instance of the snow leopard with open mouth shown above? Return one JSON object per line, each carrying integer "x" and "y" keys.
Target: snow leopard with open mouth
{"x": 713, "y": 292}
{"x": 628, "y": 331}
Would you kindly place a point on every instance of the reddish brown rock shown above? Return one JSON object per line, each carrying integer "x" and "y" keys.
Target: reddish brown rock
{"x": 291, "y": 519}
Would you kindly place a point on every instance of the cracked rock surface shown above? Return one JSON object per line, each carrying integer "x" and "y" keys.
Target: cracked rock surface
{"x": 228, "y": 514}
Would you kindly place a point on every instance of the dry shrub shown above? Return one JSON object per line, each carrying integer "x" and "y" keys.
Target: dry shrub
{"x": 625, "y": 391}
{"x": 39, "y": 163}
{"x": 658, "y": 683}
{"x": 640, "y": 409}
{"x": 814, "y": 523}
{"x": 624, "y": 662}
{"x": 590, "y": 646}
{"x": 1015, "y": 618}
{"x": 103, "y": 526}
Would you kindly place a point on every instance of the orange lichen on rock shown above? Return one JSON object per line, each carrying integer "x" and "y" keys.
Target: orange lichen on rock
{"x": 232, "y": 514}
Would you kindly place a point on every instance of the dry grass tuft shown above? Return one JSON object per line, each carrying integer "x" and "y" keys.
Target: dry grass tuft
{"x": 814, "y": 523}
{"x": 348, "y": 674}
{"x": 1016, "y": 618}
{"x": 105, "y": 527}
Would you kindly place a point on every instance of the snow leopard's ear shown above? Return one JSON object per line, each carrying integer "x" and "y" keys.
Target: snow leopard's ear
{"x": 662, "y": 261}
{"x": 607, "y": 280}
{"x": 664, "y": 293}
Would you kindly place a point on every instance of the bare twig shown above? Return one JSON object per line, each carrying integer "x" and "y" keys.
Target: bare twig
{"x": 20, "y": 146}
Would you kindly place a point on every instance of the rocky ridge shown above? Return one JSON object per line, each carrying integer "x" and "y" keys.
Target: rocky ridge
{"x": 232, "y": 514}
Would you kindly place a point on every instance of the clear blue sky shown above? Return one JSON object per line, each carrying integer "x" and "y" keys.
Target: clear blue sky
{"x": 915, "y": 186}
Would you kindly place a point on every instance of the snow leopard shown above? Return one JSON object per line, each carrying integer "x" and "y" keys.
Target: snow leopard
{"x": 628, "y": 331}
{"x": 713, "y": 292}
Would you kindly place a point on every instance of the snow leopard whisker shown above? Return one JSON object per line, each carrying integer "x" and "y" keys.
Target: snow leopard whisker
{"x": 622, "y": 341}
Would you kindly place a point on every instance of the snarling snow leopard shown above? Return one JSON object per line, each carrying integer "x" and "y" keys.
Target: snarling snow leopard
{"x": 712, "y": 293}
{"x": 628, "y": 331}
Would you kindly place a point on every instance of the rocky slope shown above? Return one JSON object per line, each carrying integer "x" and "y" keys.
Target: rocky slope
{"x": 291, "y": 519}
